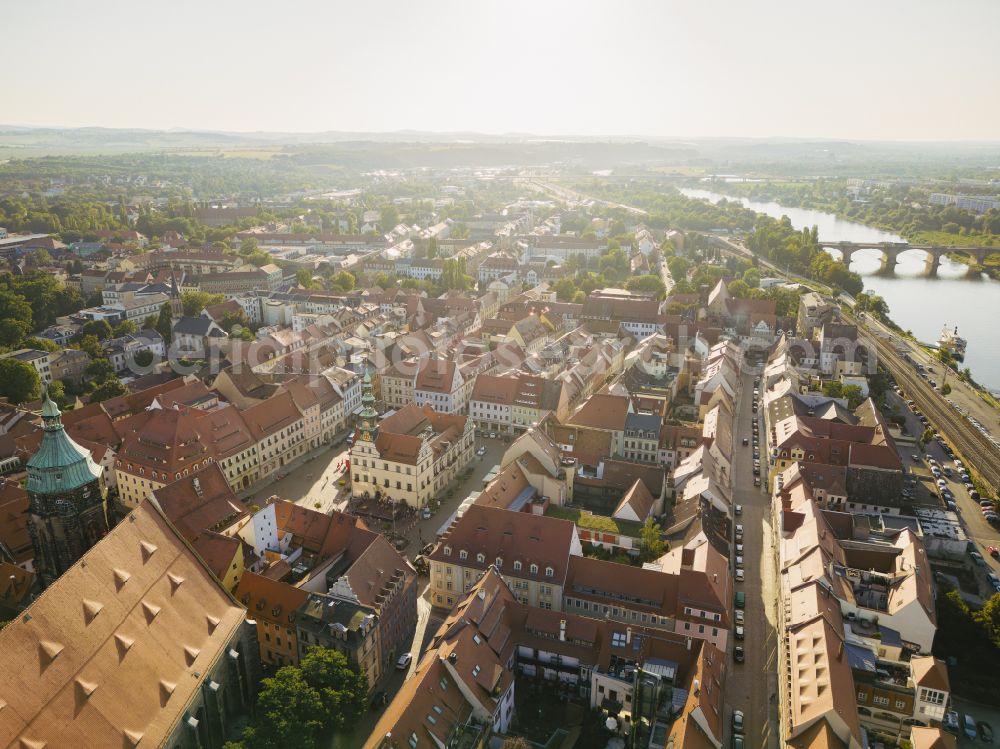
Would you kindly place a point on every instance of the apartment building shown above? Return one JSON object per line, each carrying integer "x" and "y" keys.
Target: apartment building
{"x": 512, "y": 404}
{"x": 531, "y": 552}
{"x": 463, "y": 689}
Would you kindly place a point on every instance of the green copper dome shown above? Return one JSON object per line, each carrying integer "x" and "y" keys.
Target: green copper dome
{"x": 60, "y": 464}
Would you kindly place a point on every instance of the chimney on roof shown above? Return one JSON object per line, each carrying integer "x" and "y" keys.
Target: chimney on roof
{"x": 452, "y": 657}
{"x": 197, "y": 486}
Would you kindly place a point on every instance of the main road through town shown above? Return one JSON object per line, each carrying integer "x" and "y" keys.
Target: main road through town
{"x": 753, "y": 686}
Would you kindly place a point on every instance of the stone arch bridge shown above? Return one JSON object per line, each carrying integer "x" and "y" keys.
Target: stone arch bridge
{"x": 891, "y": 251}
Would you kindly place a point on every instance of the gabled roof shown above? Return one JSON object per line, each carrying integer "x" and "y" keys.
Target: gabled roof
{"x": 202, "y": 501}
{"x": 119, "y": 645}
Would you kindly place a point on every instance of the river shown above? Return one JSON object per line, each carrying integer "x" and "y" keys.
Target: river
{"x": 920, "y": 303}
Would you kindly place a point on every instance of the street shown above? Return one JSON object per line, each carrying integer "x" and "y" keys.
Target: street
{"x": 750, "y": 685}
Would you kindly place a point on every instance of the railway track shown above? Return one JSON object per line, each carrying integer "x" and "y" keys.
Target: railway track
{"x": 976, "y": 451}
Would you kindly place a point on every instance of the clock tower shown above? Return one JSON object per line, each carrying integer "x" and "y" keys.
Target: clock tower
{"x": 369, "y": 416}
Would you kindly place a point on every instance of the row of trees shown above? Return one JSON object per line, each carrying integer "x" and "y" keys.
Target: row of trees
{"x": 800, "y": 252}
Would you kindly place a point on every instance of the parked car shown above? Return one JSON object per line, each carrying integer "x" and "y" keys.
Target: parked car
{"x": 740, "y": 577}
{"x": 740, "y": 656}
{"x": 740, "y": 616}
{"x": 739, "y": 509}
{"x": 915, "y": 458}
{"x": 745, "y": 442}
{"x": 739, "y": 632}
{"x": 977, "y": 558}
{"x": 379, "y": 699}
{"x": 985, "y": 731}
{"x": 969, "y": 726}
{"x": 950, "y": 722}
{"x": 737, "y": 721}
{"x": 403, "y": 662}
{"x": 756, "y": 480}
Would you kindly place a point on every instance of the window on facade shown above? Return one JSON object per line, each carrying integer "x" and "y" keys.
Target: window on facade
{"x": 618, "y": 639}
{"x": 549, "y": 572}
{"x": 517, "y": 566}
{"x": 534, "y": 569}
{"x": 463, "y": 554}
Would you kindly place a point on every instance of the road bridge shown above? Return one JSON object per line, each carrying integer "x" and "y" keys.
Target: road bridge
{"x": 890, "y": 252}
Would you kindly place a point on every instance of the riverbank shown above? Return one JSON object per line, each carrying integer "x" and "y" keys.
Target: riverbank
{"x": 917, "y": 302}
{"x": 758, "y": 192}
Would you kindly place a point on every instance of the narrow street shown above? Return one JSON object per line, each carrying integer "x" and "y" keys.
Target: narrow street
{"x": 750, "y": 685}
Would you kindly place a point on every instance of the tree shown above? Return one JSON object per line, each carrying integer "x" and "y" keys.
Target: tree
{"x": 143, "y": 358}
{"x": 389, "y": 217}
{"x": 99, "y": 328}
{"x": 100, "y": 370}
{"x": 344, "y": 281}
{"x": 651, "y": 545}
{"x": 110, "y": 388}
{"x": 125, "y": 327}
{"x": 42, "y": 344}
{"x": 164, "y": 322}
{"x": 194, "y": 302}
{"x": 13, "y": 331}
{"x": 42, "y": 257}
{"x": 647, "y": 284}
{"x": 289, "y": 713}
{"x": 739, "y": 289}
{"x": 57, "y": 392}
{"x": 304, "y": 278}
{"x": 751, "y": 277}
{"x": 341, "y": 687}
{"x": 92, "y": 346}
{"x": 432, "y": 248}
{"x": 927, "y": 436}
{"x": 19, "y": 381}
{"x": 946, "y": 389}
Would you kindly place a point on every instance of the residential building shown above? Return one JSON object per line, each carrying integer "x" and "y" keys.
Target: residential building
{"x": 39, "y": 360}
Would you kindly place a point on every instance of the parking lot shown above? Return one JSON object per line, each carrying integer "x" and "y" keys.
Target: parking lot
{"x": 986, "y": 713}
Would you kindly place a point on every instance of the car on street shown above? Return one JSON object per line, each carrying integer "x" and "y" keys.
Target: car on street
{"x": 739, "y": 509}
{"x": 756, "y": 470}
{"x": 740, "y": 577}
{"x": 985, "y": 731}
{"x": 745, "y": 442}
{"x": 738, "y": 654}
{"x": 969, "y": 726}
{"x": 403, "y": 662}
{"x": 756, "y": 480}
{"x": 740, "y": 616}
{"x": 493, "y": 435}
{"x": 977, "y": 558}
{"x": 994, "y": 552}
{"x": 738, "y": 741}
{"x": 950, "y": 722}
{"x": 379, "y": 699}
{"x": 738, "y": 724}
{"x": 739, "y": 632}
{"x": 481, "y": 450}
{"x": 915, "y": 458}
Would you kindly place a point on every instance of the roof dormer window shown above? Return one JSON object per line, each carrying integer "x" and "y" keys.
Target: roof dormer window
{"x": 463, "y": 554}
{"x": 447, "y": 551}
{"x": 534, "y": 569}
{"x": 481, "y": 558}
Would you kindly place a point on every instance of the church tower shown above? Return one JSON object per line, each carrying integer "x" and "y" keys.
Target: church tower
{"x": 176, "y": 307}
{"x": 66, "y": 508}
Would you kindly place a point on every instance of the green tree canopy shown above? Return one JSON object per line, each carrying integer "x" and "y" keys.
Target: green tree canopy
{"x": 341, "y": 687}
{"x": 110, "y": 388}
{"x": 651, "y": 545}
{"x": 19, "y": 381}
{"x": 647, "y": 284}
{"x": 194, "y": 302}
{"x": 99, "y": 328}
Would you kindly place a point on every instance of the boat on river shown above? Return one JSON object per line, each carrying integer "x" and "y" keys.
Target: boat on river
{"x": 952, "y": 342}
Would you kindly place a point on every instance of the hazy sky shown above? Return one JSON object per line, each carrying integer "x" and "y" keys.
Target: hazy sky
{"x": 883, "y": 69}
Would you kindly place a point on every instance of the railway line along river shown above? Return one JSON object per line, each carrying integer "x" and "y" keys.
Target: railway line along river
{"x": 917, "y": 302}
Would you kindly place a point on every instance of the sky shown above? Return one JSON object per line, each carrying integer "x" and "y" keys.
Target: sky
{"x": 877, "y": 69}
